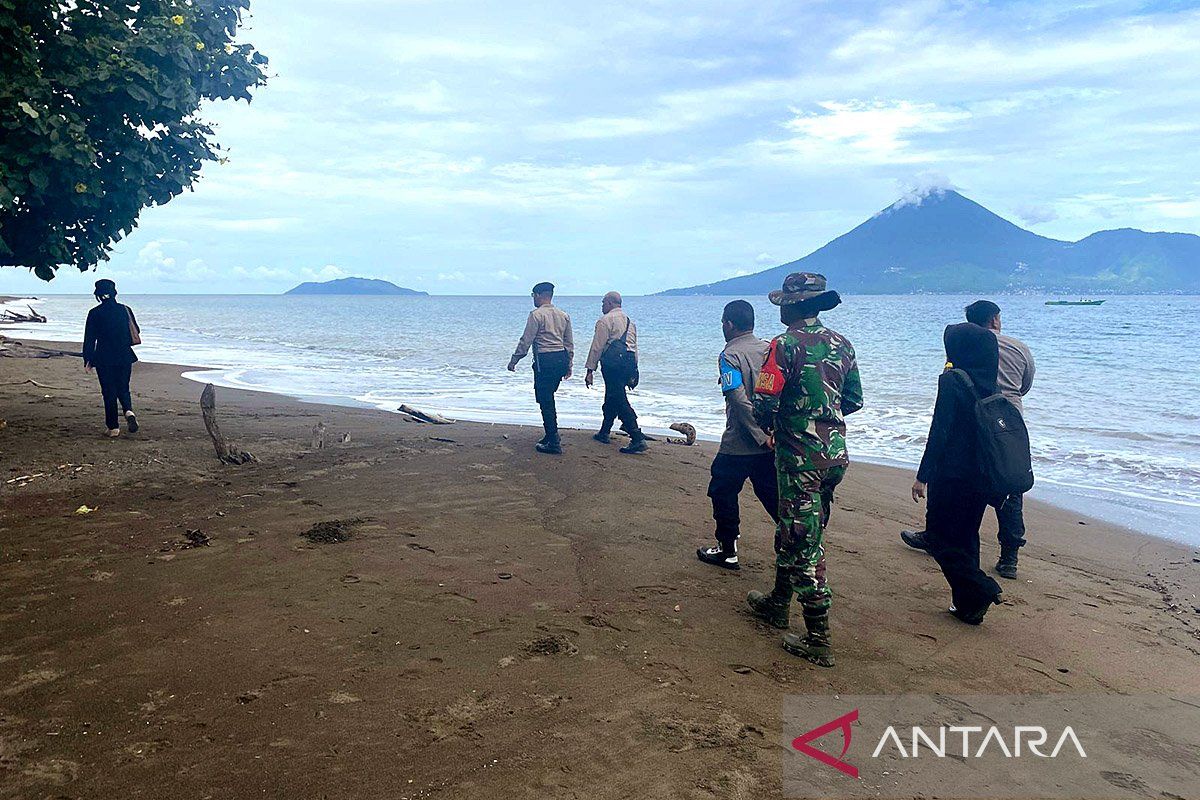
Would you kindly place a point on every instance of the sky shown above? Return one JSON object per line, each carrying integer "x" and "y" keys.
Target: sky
{"x": 478, "y": 147}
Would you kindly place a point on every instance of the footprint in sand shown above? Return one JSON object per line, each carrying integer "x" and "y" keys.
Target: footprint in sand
{"x": 36, "y": 677}
{"x": 57, "y": 771}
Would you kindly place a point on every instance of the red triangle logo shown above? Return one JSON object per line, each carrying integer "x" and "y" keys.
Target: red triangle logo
{"x": 801, "y": 743}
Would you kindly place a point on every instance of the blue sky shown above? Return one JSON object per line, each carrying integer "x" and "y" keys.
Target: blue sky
{"x": 477, "y": 147}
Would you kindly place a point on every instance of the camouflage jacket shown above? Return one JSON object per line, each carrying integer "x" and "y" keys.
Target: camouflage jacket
{"x": 806, "y": 387}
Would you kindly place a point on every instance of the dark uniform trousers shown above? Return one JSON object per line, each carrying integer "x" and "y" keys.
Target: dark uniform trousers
{"x": 729, "y": 475}
{"x": 549, "y": 369}
{"x": 1011, "y": 520}
{"x": 616, "y": 404}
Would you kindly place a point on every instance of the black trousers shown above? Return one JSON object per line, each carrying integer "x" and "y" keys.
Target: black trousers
{"x": 1011, "y": 519}
{"x": 729, "y": 475}
{"x": 953, "y": 512}
{"x": 549, "y": 369}
{"x": 114, "y": 388}
{"x": 617, "y": 406}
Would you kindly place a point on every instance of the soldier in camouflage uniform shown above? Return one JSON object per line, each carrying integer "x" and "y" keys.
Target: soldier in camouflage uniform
{"x": 806, "y": 387}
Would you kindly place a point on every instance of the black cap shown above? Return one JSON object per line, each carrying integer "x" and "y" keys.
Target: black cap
{"x": 545, "y": 287}
{"x": 105, "y": 288}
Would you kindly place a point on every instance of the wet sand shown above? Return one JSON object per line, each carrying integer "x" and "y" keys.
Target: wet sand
{"x": 496, "y": 623}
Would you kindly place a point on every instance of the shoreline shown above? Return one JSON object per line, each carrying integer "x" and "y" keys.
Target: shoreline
{"x": 490, "y": 614}
{"x": 1138, "y": 514}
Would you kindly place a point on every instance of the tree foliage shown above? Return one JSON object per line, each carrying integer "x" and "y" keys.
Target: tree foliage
{"x": 100, "y": 116}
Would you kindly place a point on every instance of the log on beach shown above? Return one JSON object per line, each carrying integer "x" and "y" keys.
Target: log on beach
{"x": 11, "y": 317}
{"x": 227, "y": 451}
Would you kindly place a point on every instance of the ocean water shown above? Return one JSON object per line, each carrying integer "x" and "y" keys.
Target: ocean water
{"x": 1114, "y": 413}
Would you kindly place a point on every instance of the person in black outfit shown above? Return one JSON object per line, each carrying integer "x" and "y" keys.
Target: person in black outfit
{"x": 108, "y": 347}
{"x": 950, "y": 470}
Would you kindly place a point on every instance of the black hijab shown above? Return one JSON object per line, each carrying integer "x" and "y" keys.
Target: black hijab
{"x": 974, "y": 350}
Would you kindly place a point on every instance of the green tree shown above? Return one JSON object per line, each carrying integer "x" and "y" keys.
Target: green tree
{"x": 100, "y": 116}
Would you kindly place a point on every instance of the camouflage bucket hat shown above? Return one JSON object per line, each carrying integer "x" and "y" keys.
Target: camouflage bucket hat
{"x": 797, "y": 287}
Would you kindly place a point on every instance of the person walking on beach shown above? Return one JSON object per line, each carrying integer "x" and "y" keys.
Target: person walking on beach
{"x": 952, "y": 472}
{"x": 1014, "y": 379}
{"x": 744, "y": 453}
{"x": 614, "y": 351}
{"x": 807, "y": 386}
{"x": 548, "y": 332}
{"x": 109, "y": 335}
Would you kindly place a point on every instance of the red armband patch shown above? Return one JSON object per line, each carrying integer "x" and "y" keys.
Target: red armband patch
{"x": 770, "y": 379}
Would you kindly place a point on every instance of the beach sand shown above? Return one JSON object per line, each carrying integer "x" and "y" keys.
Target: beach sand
{"x": 497, "y": 624}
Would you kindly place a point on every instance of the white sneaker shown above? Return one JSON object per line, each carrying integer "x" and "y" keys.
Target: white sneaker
{"x": 131, "y": 422}
{"x": 114, "y": 432}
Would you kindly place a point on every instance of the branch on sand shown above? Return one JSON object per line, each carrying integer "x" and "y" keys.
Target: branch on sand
{"x": 227, "y": 451}
{"x": 425, "y": 416}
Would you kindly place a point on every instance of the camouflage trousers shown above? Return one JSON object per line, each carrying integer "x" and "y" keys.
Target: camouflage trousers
{"x": 805, "y": 501}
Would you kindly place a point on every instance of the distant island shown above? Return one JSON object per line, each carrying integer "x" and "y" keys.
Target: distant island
{"x": 946, "y": 243}
{"x": 354, "y": 286}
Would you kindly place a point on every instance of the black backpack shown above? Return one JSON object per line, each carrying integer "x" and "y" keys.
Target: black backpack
{"x": 1002, "y": 442}
{"x": 618, "y": 361}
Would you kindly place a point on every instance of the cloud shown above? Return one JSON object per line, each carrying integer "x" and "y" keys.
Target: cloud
{"x": 764, "y": 258}
{"x": 915, "y": 189}
{"x": 869, "y": 131}
{"x": 1036, "y": 215}
{"x": 505, "y": 275}
{"x": 412, "y": 49}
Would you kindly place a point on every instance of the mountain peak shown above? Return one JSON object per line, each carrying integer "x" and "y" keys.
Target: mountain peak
{"x": 937, "y": 240}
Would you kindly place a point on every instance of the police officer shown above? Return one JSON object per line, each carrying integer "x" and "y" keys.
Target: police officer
{"x": 808, "y": 384}
{"x": 548, "y": 332}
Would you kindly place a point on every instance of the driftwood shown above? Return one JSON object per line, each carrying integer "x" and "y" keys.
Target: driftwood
{"x": 687, "y": 430}
{"x": 14, "y": 318}
{"x": 227, "y": 451}
{"x": 425, "y": 416}
{"x": 11, "y": 348}
{"x": 32, "y": 382}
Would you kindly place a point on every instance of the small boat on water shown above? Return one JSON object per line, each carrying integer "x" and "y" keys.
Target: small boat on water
{"x": 1074, "y": 302}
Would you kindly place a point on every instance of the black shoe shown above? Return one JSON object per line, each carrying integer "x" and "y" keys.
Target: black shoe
{"x": 915, "y": 539}
{"x": 602, "y": 438}
{"x": 718, "y": 557}
{"x": 971, "y": 617}
{"x": 131, "y": 422}
{"x": 1006, "y": 567}
{"x": 635, "y": 447}
{"x": 552, "y": 448}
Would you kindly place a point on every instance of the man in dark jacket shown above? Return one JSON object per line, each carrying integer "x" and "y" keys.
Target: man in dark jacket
{"x": 108, "y": 347}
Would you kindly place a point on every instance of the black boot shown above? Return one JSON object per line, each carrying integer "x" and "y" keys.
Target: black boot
{"x": 636, "y": 445}
{"x": 773, "y": 608}
{"x": 1006, "y": 567}
{"x": 814, "y": 646}
{"x": 550, "y": 446}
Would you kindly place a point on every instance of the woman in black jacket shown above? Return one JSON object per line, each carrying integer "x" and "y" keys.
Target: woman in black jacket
{"x": 951, "y": 470}
{"x": 108, "y": 340}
